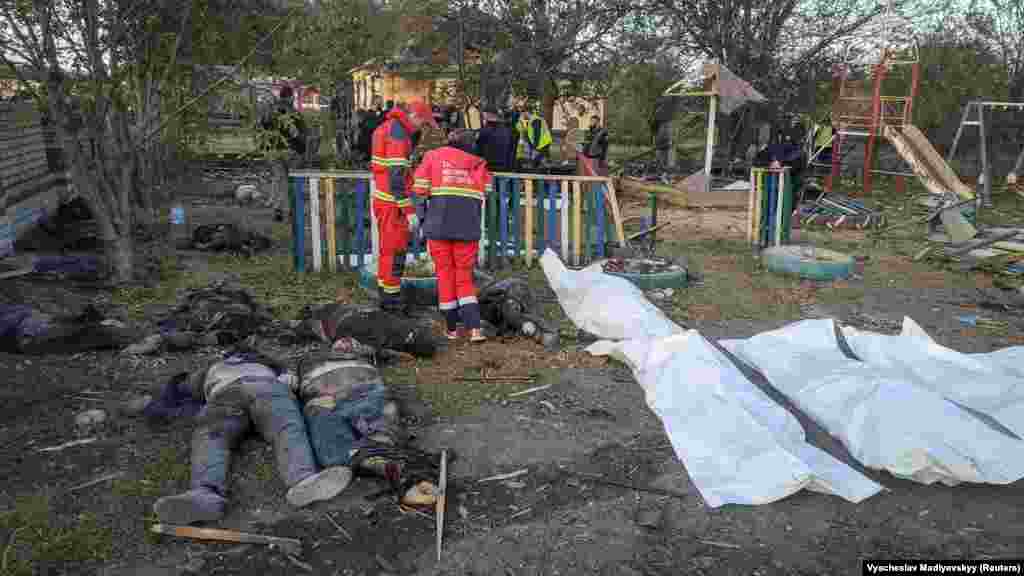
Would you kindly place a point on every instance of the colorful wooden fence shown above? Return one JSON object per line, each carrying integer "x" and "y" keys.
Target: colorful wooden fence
{"x": 770, "y": 207}
{"x": 577, "y": 216}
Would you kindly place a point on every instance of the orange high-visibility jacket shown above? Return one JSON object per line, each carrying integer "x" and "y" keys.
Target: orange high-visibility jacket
{"x": 390, "y": 161}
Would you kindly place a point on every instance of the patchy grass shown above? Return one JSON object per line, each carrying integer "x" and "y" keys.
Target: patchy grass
{"x": 166, "y": 472}
{"x": 37, "y": 537}
{"x": 271, "y": 277}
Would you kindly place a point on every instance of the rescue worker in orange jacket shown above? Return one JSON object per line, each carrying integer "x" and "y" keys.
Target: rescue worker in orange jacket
{"x": 455, "y": 182}
{"x": 396, "y": 217}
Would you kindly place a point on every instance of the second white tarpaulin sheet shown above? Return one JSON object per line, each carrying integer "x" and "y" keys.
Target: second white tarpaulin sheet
{"x": 887, "y": 418}
{"x": 738, "y": 445}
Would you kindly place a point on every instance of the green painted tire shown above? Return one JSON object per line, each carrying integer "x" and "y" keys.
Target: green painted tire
{"x": 807, "y": 262}
{"x": 655, "y": 280}
{"x": 368, "y": 280}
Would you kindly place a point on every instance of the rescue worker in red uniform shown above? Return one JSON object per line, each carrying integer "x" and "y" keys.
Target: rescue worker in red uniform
{"x": 455, "y": 182}
{"x": 390, "y": 162}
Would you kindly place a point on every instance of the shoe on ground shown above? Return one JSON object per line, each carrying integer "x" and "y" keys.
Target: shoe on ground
{"x": 200, "y": 505}
{"x": 321, "y": 486}
{"x": 477, "y": 335}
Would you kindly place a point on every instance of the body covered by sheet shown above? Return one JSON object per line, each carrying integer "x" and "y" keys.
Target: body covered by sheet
{"x": 991, "y": 383}
{"x": 739, "y": 446}
{"x": 604, "y": 305}
{"x": 885, "y": 419}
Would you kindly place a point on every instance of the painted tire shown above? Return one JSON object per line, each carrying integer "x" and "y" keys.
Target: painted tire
{"x": 368, "y": 280}
{"x": 655, "y": 280}
{"x": 807, "y": 262}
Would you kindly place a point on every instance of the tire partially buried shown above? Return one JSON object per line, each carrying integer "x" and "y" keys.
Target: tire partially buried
{"x": 808, "y": 262}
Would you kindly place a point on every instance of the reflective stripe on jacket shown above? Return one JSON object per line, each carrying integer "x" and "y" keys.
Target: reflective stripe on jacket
{"x": 533, "y": 134}
{"x": 390, "y": 152}
{"x": 456, "y": 184}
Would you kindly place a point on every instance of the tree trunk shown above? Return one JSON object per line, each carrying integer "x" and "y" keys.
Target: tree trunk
{"x": 120, "y": 256}
{"x": 548, "y": 104}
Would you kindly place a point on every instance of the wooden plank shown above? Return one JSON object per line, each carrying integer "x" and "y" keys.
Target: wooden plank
{"x": 577, "y": 243}
{"x": 750, "y": 208}
{"x": 528, "y": 221}
{"x": 559, "y": 177}
{"x": 565, "y": 221}
{"x": 780, "y": 204}
{"x": 314, "y": 223}
{"x": 289, "y": 544}
{"x": 1010, "y": 246}
{"x": 340, "y": 174}
{"x": 332, "y": 226}
{"x": 614, "y": 201}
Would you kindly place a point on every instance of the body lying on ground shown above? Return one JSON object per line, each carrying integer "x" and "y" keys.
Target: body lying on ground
{"x": 334, "y": 417}
{"x": 27, "y": 330}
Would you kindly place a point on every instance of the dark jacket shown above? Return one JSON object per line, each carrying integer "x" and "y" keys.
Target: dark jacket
{"x": 456, "y": 184}
{"x": 596, "y": 143}
{"x": 294, "y": 135}
{"x": 496, "y": 143}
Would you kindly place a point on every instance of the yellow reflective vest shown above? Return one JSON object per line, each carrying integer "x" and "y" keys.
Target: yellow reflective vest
{"x": 527, "y": 134}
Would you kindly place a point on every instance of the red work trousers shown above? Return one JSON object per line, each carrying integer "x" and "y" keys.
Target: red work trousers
{"x": 454, "y": 261}
{"x": 393, "y": 241}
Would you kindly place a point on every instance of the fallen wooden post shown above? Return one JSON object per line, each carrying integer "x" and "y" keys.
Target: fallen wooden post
{"x": 441, "y": 501}
{"x": 290, "y": 545}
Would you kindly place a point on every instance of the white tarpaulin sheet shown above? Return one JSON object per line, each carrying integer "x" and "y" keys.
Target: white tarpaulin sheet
{"x": 604, "y": 305}
{"x": 739, "y": 446}
{"x": 884, "y": 417}
{"x": 991, "y": 383}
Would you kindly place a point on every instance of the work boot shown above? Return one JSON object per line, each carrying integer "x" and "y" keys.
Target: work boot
{"x": 319, "y": 487}
{"x": 197, "y": 505}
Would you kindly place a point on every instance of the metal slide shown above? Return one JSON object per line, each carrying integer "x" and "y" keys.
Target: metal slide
{"x": 931, "y": 169}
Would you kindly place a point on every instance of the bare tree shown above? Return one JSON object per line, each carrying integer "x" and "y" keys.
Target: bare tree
{"x": 112, "y": 89}
{"x": 1000, "y": 23}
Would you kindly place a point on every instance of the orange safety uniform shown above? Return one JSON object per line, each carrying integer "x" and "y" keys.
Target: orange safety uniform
{"x": 455, "y": 183}
{"x": 390, "y": 164}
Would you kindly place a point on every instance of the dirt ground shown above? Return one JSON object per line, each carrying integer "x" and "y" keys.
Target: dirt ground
{"x": 554, "y": 519}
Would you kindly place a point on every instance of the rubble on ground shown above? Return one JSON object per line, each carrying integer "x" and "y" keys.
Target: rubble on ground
{"x": 228, "y": 237}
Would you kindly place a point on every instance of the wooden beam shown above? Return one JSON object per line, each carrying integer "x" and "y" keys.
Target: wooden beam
{"x": 569, "y": 177}
{"x": 351, "y": 174}
{"x": 331, "y": 227}
{"x": 614, "y": 201}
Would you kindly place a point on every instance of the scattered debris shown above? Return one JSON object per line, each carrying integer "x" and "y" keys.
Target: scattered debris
{"x": 384, "y": 564}
{"x": 66, "y": 445}
{"x": 89, "y": 418}
{"x": 639, "y": 266}
{"x": 522, "y": 512}
{"x": 508, "y": 476}
{"x": 299, "y": 563}
{"x": 650, "y": 517}
{"x": 529, "y": 391}
{"x": 338, "y": 526}
{"x": 650, "y": 489}
{"x": 96, "y": 481}
{"x": 289, "y": 545}
{"x": 838, "y": 211}
{"x": 718, "y": 544}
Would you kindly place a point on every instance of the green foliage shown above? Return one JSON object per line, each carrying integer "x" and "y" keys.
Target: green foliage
{"x": 632, "y": 99}
{"x": 37, "y": 536}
